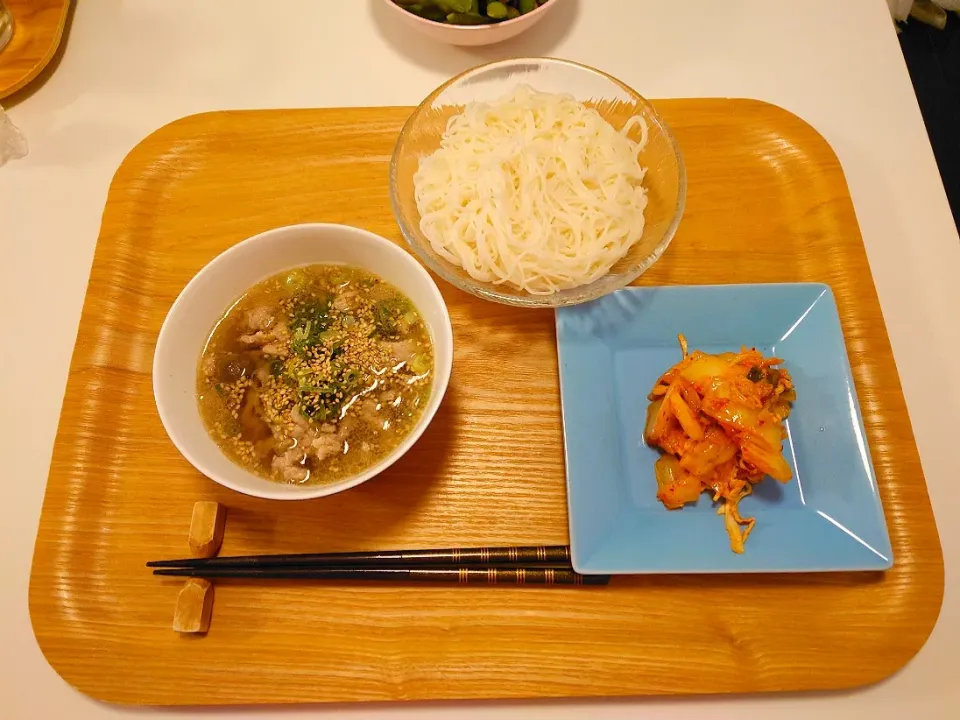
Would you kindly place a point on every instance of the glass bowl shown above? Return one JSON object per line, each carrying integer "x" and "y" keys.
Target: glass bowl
{"x": 665, "y": 181}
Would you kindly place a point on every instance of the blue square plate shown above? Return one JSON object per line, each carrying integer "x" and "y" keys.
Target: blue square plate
{"x": 612, "y": 350}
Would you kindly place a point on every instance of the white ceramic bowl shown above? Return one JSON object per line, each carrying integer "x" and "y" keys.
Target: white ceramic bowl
{"x": 471, "y": 35}
{"x": 207, "y": 296}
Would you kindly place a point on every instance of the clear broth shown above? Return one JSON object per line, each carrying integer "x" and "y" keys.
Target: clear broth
{"x": 315, "y": 374}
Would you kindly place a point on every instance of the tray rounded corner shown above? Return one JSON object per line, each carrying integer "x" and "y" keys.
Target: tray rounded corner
{"x": 158, "y": 138}
{"x": 797, "y": 122}
{"x": 77, "y": 682}
{"x": 39, "y": 589}
{"x": 899, "y": 661}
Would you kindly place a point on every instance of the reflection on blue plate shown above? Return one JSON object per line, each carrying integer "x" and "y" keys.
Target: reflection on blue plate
{"x": 612, "y": 350}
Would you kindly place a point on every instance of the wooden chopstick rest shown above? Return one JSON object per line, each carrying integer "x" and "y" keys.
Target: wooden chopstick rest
{"x": 195, "y": 600}
{"x": 194, "y": 606}
{"x": 206, "y": 528}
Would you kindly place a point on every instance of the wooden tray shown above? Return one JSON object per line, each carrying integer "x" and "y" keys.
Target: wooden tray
{"x": 489, "y": 470}
{"x": 37, "y": 31}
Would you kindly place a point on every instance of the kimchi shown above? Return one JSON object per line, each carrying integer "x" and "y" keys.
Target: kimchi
{"x": 719, "y": 420}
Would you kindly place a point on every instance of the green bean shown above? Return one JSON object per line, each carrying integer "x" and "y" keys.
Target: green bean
{"x": 430, "y": 13}
{"x": 454, "y": 6}
{"x": 446, "y": 6}
{"x": 467, "y": 19}
{"x": 496, "y": 10}
{"x": 470, "y": 12}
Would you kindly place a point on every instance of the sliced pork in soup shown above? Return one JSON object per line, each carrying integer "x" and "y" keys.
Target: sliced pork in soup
{"x": 315, "y": 374}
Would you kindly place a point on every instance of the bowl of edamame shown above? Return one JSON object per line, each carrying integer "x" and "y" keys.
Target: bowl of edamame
{"x": 470, "y": 22}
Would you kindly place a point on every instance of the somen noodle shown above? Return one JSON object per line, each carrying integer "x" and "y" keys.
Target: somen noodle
{"x": 535, "y": 190}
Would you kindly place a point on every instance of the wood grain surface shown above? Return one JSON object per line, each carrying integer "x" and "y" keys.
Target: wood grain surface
{"x": 767, "y": 202}
{"x": 38, "y": 27}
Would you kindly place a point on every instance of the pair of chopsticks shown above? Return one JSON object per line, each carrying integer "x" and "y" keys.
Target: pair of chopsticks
{"x": 533, "y": 565}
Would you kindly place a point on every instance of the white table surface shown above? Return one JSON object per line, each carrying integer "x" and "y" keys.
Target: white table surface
{"x": 131, "y": 66}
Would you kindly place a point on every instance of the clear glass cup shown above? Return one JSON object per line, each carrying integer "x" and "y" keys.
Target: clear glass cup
{"x": 6, "y": 25}
{"x": 666, "y": 179}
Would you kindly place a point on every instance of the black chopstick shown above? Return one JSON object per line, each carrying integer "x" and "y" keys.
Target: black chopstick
{"x": 461, "y": 575}
{"x": 557, "y": 556}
